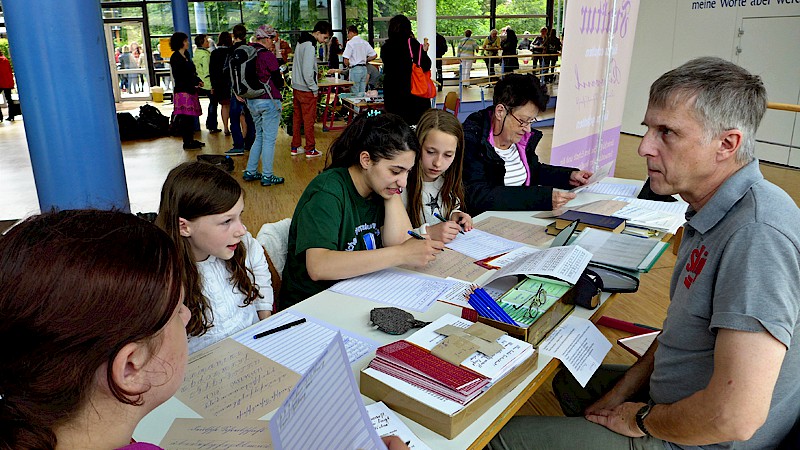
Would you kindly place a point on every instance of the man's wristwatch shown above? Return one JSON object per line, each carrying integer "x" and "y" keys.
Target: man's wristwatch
{"x": 640, "y": 415}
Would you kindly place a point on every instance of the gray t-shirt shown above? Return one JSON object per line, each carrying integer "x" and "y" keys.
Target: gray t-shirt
{"x": 738, "y": 268}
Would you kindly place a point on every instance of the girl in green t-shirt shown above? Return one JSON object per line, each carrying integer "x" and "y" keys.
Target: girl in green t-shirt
{"x": 350, "y": 220}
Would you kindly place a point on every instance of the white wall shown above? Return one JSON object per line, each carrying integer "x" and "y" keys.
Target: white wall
{"x": 671, "y": 32}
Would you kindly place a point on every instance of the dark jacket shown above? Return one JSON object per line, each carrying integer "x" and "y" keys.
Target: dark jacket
{"x": 220, "y": 79}
{"x": 484, "y": 171}
{"x": 183, "y": 73}
{"x": 509, "y": 47}
{"x": 397, "y": 79}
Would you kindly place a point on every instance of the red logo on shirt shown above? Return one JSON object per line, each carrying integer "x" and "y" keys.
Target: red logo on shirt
{"x": 695, "y": 266}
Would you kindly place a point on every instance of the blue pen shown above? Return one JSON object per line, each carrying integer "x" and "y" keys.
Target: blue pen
{"x": 415, "y": 235}
{"x": 439, "y": 216}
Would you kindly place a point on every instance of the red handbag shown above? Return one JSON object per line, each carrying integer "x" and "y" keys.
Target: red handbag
{"x": 421, "y": 83}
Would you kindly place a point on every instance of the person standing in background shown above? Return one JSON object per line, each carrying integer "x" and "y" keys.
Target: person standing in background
{"x": 552, "y": 47}
{"x": 6, "y": 84}
{"x": 266, "y": 110}
{"x": 509, "y": 47}
{"x": 240, "y": 142}
{"x": 466, "y": 47}
{"x": 397, "y": 61}
{"x": 220, "y": 81}
{"x": 357, "y": 54}
{"x": 202, "y": 62}
{"x": 490, "y": 47}
{"x": 334, "y": 50}
{"x": 441, "y": 49}
{"x": 305, "y": 90}
{"x": 282, "y": 49}
{"x": 185, "y": 99}
{"x": 537, "y": 48}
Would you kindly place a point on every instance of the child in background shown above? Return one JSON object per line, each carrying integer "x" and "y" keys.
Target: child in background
{"x": 227, "y": 284}
{"x": 435, "y": 186}
{"x": 353, "y": 206}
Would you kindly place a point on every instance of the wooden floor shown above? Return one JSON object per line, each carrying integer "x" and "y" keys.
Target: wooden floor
{"x": 148, "y": 162}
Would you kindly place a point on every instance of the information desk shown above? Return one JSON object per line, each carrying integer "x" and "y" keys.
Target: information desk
{"x": 352, "y": 314}
{"x": 327, "y": 87}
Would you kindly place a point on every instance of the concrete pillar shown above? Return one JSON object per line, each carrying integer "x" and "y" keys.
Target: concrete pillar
{"x": 67, "y": 103}
{"x": 426, "y": 28}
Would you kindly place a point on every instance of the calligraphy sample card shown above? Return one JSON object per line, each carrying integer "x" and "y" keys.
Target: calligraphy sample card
{"x": 325, "y": 409}
{"x": 228, "y": 434}
{"x": 229, "y": 380}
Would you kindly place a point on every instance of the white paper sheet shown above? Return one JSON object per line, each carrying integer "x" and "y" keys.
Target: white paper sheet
{"x": 299, "y": 346}
{"x": 495, "y": 367}
{"x": 678, "y": 207}
{"x": 455, "y": 295}
{"x": 627, "y": 190}
{"x": 387, "y": 423}
{"x": 393, "y": 287}
{"x": 601, "y": 173}
{"x": 579, "y": 345}
{"x": 325, "y": 409}
{"x": 565, "y": 263}
{"x": 480, "y": 244}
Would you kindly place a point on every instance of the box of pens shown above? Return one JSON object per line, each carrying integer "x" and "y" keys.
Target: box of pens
{"x": 527, "y": 311}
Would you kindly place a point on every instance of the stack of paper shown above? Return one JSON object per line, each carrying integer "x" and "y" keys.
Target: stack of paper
{"x": 419, "y": 367}
{"x": 653, "y": 215}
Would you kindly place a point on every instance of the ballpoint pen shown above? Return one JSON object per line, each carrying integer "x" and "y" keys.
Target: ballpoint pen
{"x": 439, "y": 216}
{"x": 415, "y": 235}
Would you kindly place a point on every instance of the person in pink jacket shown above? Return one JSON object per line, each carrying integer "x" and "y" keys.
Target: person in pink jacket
{"x": 6, "y": 84}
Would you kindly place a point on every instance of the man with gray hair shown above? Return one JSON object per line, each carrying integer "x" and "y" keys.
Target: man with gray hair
{"x": 723, "y": 372}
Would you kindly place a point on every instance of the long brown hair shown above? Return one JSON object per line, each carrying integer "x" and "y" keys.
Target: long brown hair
{"x": 194, "y": 190}
{"x": 75, "y": 288}
{"x": 453, "y": 187}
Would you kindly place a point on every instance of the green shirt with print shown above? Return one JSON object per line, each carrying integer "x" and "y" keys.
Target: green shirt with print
{"x": 331, "y": 214}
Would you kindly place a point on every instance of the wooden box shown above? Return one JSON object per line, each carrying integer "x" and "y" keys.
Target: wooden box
{"x": 448, "y": 426}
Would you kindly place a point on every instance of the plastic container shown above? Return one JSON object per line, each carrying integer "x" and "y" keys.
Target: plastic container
{"x": 158, "y": 94}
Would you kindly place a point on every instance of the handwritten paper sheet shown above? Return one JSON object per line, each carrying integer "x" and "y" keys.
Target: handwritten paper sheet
{"x": 678, "y": 207}
{"x": 452, "y": 264}
{"x": 565, "y": 263}
{"x": 298, "y": 347}
{"x": 193, "y": 434}
{"x": 479, "y": 244}
{"x": 228, "y": 380}
{"x": 325, "y": 409}
{"x": 387, "y": 423}
{"x": 579, "y": 345}
{"x": 598, "y": 175}
{"x": 393, "y": 287}
{"x": 527, "y": 233}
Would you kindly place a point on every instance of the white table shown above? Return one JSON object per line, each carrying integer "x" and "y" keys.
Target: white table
{"x": 331, "y": 307}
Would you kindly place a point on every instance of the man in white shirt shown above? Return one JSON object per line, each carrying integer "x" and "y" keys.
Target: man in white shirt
{"x": 357, "y": 53}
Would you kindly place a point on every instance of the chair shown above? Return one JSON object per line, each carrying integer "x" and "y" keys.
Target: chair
{"x": 274, "y": 237}
{"x": 452, "y": 103}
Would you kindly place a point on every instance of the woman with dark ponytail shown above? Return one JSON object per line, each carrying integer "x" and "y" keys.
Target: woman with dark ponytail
{"x": 350, "y": 220}
{"x": 93, "y": 329}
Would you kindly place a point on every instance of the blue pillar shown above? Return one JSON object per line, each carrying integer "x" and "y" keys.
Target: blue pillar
{"x": 180, "y": 19}
{"x": 67, "y": 103}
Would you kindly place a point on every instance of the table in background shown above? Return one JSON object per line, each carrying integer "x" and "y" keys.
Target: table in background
{"x": 352, "y": 314}
{"x": 327, "y": 87}
{"x": 355, "y": 104}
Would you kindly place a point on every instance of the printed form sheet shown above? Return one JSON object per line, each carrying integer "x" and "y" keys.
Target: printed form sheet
{"x": 325, "y": 409}
{"x": 298, "y": 347}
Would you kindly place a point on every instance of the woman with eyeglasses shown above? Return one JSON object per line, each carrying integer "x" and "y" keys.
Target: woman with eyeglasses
{"x": 501, "y": 169}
